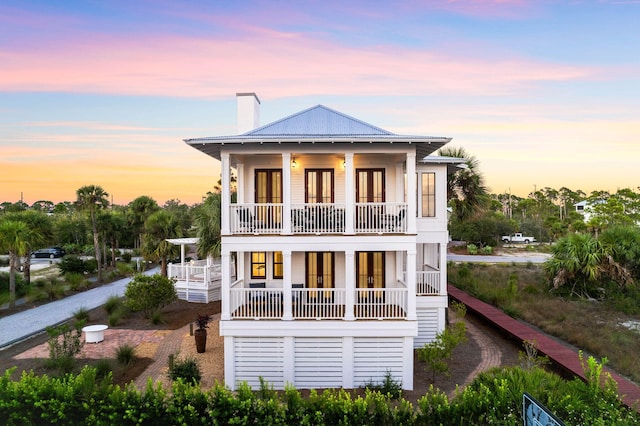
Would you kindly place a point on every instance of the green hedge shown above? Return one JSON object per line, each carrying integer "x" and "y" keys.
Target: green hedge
{"x": 494, "y": 397}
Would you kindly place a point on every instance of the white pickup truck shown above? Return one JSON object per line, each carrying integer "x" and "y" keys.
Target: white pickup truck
{"x": 518, "y": 237}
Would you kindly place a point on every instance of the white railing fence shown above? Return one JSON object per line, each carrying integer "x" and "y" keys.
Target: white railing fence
{"x": 256, "y": 218}
{"x": 384, "y": 303}
{"x": 380, "y": 217}
{"x": 311, "y": 303}
{"x": 317, "y": 218}
{"x": 428, "y": 283}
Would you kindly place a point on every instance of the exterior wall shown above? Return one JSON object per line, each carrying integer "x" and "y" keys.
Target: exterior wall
{"x": 334, "y": 353}
{"x": 327, "y": 354}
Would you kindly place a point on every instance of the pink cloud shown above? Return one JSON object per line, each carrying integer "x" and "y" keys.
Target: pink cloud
{"x": 273, "y": 63}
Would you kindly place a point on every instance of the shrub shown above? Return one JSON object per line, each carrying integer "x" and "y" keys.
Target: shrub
{"x": 103, "y": 368}
{"x": 389, "y": 386}
{"x": 115, "y": 317}
{"x": 46, "y": 289}
{"x": 75, "y": 281}
{"x": 486, "y": 250}
{"x": 64, "y": 344}
{"x": 472, "y": 249}
{"x": 112, "y": 304}
{"x": 186, "y": 369}
{"x": 157, "y": 317}
{"x": 81, "y": 314}
{"x": 436, "y": 354}
{"x": 72, "y": 264}
{"x": 124, "y": 269}
{"x": 125, "y": 354}
{"x": 21, "y": 286}
{"x": 126, "y": 256}
{"x": 150, "y": 293}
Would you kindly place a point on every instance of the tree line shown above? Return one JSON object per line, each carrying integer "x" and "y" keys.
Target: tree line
{"x": 91, "y": 225}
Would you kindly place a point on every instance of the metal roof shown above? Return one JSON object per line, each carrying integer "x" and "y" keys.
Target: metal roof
{"x": 317, "y": 125}
{"x": 318, "y": 121}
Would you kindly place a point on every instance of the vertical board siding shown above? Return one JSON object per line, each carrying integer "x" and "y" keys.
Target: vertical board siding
{"x": 257, "y": 357}
{"x": 427, "y": 326}
{"x": 318, "y": 362}
{"x": 373, "y": 357}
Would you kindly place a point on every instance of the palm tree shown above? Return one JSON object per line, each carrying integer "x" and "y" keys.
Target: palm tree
{"x": 159, "y": 227}
{"x": 583, "y": 261}
{"x": 92, "y": 198}
{"x": 35, "y": 220}
{"x": 466, "y": 190}
{"x": 16, "y": 238}
{"x": 207, "y": 224}
{"x": 137, "y": 213}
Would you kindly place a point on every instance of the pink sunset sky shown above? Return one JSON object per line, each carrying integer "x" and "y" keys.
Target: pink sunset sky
{"x": 542, "y": 93}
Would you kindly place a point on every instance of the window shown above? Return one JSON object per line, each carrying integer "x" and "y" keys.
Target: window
{"x": 258, "y": 264}
{"x": 278, "y": 266}
{"x": 428, "y": 194}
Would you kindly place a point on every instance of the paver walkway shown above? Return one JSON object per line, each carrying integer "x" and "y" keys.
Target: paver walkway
{"x": 562, "y": 355}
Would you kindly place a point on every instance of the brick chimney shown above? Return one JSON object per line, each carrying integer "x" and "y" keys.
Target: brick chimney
{"x": 248, "y": 112}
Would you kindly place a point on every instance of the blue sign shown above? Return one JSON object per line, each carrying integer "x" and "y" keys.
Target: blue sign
{"x": 536, "y": 414}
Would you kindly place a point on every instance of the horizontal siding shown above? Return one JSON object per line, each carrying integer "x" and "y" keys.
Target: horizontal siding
{"x": 318, "y": 362}
{"x": 374, "y": 356}
{"x": 427, "y": 326}
{"x": 257, "y": 357}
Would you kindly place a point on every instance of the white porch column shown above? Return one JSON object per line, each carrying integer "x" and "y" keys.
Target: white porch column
{"x": 225, "y": 272}
{"x": 349, "y": 193}
{"x": 350, "y": 284}
{"x": 240, "y": 183}
{"x": 411, "y": 194}
{"x": 286, "y": 193}
{"x": 407, "y": 373}
{"x": 411, "y": 285}
{"x": 225, "y": 202}
{"x": 286, "y": 283}
{"x": 229, "y": 362}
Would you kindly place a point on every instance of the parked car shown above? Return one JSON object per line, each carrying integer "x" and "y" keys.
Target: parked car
{"x": 49, "y": 253}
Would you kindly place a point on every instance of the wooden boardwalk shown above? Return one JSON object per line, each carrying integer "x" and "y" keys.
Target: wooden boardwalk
{"x": 560, "y": 354}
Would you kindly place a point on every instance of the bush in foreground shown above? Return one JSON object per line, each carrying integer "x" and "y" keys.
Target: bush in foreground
{"x": 494, "y": 397}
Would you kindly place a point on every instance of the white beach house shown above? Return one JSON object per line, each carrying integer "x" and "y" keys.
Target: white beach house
{"x": 333, "y": 265}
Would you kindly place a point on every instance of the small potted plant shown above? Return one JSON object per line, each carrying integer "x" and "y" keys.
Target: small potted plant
{"x": 200, "y": 333}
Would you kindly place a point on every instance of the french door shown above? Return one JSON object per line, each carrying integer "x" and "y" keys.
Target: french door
{"x": 268, "y": 183}
{"x": 369, "y": 189}
{"x": 318, "y": 186}
{"x": 320, "y": 272}
{"x": 370, "y": 272}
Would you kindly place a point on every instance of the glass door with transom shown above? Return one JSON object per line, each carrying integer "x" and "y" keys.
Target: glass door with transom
{"x": 269, "y": 191}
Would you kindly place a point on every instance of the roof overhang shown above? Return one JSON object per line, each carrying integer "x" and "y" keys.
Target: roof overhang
{"x": 180, "y": 241}
{"x": 453, "y": 163}
{"x": 213, "y": 146}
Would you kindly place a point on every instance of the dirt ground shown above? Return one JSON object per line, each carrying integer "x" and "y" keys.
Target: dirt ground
{"x": 483, "y": 349}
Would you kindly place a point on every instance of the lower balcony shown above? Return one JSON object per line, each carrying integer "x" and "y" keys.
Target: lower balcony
{"x": 317, "y": 304}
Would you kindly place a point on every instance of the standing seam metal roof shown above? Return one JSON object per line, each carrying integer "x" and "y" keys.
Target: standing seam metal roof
{"x": 318, "y": 121}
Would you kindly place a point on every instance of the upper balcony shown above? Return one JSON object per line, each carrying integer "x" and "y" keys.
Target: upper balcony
{"x": 318, "y": 218}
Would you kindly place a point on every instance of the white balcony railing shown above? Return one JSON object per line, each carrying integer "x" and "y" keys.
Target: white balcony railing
{"x": 319, "y": 218}
{"x": 196, "y": 272}
{"x": 428, "y": 283}
{"x": 384, "y": 303}
{"x": 380, "y": 218}
{"x": 311, "y": 303}
{"x": 256, "y": 218}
